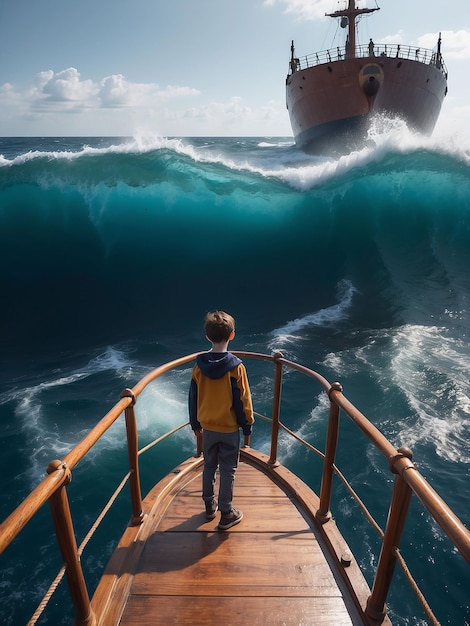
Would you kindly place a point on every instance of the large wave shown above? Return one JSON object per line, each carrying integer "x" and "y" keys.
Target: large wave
{"x": 98, "y": 240}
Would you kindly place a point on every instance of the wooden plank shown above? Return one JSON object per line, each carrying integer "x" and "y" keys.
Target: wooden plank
{"x": 201, "y": 611}
{"x": 265, "y": 506}
{"x": 240, "y": 564}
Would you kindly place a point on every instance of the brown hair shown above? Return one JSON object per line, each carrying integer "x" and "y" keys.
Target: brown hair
{"x": 218, "y": 326}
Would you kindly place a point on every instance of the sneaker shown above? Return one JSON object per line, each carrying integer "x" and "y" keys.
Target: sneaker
{"x": 211, "y": 509}
{"x": 227, "y": 520}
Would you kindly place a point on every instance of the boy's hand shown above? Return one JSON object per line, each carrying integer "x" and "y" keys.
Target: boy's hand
{"x": 198, "y": 433}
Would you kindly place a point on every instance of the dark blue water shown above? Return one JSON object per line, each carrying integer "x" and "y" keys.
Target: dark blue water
{"x": 112, "y": 251}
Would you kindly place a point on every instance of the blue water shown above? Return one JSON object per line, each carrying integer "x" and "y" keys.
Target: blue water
{"x": 113, "y": 249}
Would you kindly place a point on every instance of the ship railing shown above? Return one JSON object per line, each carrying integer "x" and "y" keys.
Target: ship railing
{"x": 373, "y": 52}
{"x": 408, "y": 481}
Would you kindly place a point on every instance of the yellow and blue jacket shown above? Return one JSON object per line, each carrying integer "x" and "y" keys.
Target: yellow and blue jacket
{"x": 219, "y": 394}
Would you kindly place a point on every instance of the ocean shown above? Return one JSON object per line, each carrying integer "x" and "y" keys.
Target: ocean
{"x": 113, "y": 249}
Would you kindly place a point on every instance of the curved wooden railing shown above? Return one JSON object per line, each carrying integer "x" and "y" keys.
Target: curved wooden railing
{"x": 408, "y": 481}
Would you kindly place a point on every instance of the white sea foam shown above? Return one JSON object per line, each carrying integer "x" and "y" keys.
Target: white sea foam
{"x": 292, "y": 331}
{"x": 111, "y": 359}
{"x": 25, "y": 395}
{"x": 135, "y": 145}
{"x": 162, "y": 406}
{"x": 45, "y": 439}
{"x": 305, "y": 171}
{"x": 275, "y": 144}
{"x": 334, "y": 361}
{"x": 433, "y": 371}
{"x": 278, "y": 159}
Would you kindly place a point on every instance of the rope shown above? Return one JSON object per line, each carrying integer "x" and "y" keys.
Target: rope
{"x": 58, "y": 579}
{"x": 47, "y": 596}
{"x": 340, "y": 475}
{"x": 419, "y": 594}
{"x": 358, "y": 500}
{"x": 100, "y": 517}
{"x": 305, "y": 443}
{"x": 154, "y": 443}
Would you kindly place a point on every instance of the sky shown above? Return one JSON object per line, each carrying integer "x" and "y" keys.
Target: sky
{"x": 193, "y": 67}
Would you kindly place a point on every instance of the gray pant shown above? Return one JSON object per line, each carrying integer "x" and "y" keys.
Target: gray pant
{"x": 220, "y": 450}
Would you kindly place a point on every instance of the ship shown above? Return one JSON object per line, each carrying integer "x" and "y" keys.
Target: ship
{"x": 286, "y": 563}
{"x": 332, "y": 95}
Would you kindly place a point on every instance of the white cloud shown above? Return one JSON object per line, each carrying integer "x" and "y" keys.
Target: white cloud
{"x": 304, "y": 9}
{"x": 397, "y": 38}
{"x": 311, "y": 9}
{"x": 233, "y": 117}
{"x": 114, "y": 91}
{"x": 8, "y": 93}
{"x": 455, "y": 44}
{"x": 222, "y": 113}
{"x": 173, "y": 91}
{"x": 65, "y": 86}
{"x": 67, "y": 91}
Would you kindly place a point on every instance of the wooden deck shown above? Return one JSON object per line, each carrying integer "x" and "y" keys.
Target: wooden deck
{"x": 177, "y": 568}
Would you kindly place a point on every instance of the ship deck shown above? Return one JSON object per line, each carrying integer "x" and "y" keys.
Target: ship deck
{"x": 278, "y": 566}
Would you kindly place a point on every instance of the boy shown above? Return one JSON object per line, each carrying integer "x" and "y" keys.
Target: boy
{"x": 219, "y": 404}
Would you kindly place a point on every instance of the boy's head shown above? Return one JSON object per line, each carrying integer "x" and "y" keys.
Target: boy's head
{"x": 219, "y": 326}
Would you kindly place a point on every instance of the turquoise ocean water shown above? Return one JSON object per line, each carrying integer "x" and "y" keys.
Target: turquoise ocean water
{"x": 113, "y": 249}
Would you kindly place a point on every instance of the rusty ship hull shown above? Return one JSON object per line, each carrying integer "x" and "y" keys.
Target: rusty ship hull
{"x": 331, "y": 96}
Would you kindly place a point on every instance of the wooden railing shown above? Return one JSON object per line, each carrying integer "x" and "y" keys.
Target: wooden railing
{"x": 408, "y": 481}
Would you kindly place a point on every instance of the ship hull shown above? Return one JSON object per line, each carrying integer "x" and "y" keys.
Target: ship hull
{"x": 330, "y": 105}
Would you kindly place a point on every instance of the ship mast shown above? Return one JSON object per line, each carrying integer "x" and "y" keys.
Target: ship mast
{"x": 351, "y": 13}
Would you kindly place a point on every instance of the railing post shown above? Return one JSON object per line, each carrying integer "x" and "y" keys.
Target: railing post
{"x": 323, "y": 514}
{"x": 276, "y": 408}
{"x": 62, "y": 519}
{"x": 133, "y": 450}
{"x": 376, "y": 608}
